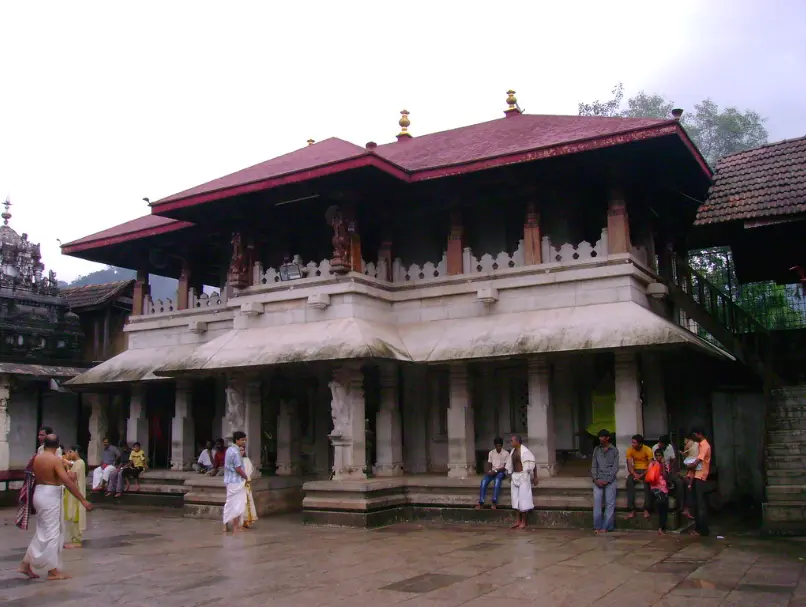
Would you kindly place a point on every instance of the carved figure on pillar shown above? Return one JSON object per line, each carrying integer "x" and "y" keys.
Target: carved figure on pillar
{"x": 340, "y": 408}
{"x": 236, "y": 408}
{"x": 239, "y": 271}
{"x": 341, "y": 261}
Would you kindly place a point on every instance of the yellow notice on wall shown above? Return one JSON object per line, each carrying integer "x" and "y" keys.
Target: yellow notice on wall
{"x": 604, "y": 413}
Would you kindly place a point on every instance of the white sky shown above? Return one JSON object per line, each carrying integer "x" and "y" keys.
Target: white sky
{"x": 103, "y": 103}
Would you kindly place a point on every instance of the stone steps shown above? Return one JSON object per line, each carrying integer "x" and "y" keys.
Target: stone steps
{"x": 786, "y": 493}
{"x": 786, "y": 477}
{"x": 785, "y": 462}
{"x": 789, "y": 448}
{"x": 787, "y": 423}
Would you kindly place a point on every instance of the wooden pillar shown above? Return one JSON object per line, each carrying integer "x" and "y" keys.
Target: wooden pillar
{"x": 456, "y": 244}
{"x": 532, "y": 252}
{"x": 618, "y": 223}
{"x": 182, "y": 299}
{"x": 356, "y": 264}
{"x": 141, "y": 290}
{"x": 385, "y": 255}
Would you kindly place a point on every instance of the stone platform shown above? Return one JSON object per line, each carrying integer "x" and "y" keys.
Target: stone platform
{"x": 561, "y": 503}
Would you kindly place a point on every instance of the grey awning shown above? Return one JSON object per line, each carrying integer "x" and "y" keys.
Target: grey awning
{"x": 39, "y": 370}
{"x": 131, "y": 366}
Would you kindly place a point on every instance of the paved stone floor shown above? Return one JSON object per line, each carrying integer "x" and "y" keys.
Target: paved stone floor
{"x": 156, "y": 558}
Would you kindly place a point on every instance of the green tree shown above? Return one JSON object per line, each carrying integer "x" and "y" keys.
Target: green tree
{"x": 716, "y": 132}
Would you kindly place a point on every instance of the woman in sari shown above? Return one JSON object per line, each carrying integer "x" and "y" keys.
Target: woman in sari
{"x": 75, "y": 514}
{"x": 250, "y": 516}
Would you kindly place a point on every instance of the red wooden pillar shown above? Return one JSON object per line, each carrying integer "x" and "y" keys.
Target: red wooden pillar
{"x": 141, "y": 290}
{"x": 385, "y": 254}
{"x": 532, "y": 251}
{"x": 456, "y": 244}
{"x": 618, "y": 223}
{"x": 355, "y": 239}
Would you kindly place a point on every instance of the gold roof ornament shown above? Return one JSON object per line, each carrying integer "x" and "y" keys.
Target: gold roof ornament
{"x": 512, "y": 102}
{"x": 404, "y": 123}
{"x": 311, "y": 142}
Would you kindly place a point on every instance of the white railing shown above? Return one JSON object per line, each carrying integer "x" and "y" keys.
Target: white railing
{"x": 160, "y": 306}
{"x": 488, "y": 264}
{"x": 415, "y": 273}
{"x": 270, "y": 276}
{"x": 200, "y": 302}
{"x": 569, "y": 254}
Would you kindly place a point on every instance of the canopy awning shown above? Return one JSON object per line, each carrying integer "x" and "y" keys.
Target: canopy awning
{"x": 597, "y": 327}
{"x": 339, "y": 339}
{"x": 39, "y": 370}
{"x": 131, "y": 366}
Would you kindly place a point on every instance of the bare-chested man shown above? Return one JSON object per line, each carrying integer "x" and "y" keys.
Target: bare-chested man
{"x": 45, "y": 550}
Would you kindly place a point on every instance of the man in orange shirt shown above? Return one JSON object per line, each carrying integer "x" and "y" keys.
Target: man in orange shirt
{"x": 699, "y": 470}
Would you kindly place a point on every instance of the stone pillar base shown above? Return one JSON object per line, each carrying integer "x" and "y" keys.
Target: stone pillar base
{"x": 460, "y": 471}
{"x": 343, "y": 467}
{"x": 388, "y": 470}
{"x": 546, "y": 470}
{"x": 182, "y": 449}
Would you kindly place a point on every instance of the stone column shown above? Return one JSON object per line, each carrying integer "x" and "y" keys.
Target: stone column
{"x": 5, "y": 421}
{"x": 629, "y": 419}
{"x": 141, "y": 291}
{"x": 655, "y": 417}
{"x": 565, "y": 405}
{"x": 540, "y": 417}
{"x": 387, "y": 426}
{"x": 137, "y": 424}
{"x": 322, "y": 427}
{"x": 415, "y": 419}
{"x": 98, "y": 426}
{"x": 183, "y": 429}
{"x": 461, "y": 439}
{"x": 288, "y": 439}
{"x": 349, "y": 423}
{"x": 253, "y": 425}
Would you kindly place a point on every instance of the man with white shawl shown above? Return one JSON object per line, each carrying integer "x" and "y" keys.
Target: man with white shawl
{"x": 521, "y": 467}
{"x": 235, "y": 480}
{"x": 45, "y": 550}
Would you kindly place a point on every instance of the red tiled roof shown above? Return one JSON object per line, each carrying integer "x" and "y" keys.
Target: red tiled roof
{"x": 149, "y": 225}
{"x": 320, "y": 154}
{"x": 93, "y": 295}
{"x": 763, "y": 182}
{"x": 502, "y": 137}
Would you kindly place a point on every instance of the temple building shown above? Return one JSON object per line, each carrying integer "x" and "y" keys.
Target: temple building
{"x": 40, "y": 347}
{"x": 374, "y": 316}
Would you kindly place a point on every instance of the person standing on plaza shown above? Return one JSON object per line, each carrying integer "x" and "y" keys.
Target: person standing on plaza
{"x": 235, "y": 480}
{"x": 698, "y": 471}
{"x": 522, "y": 469}
{"x": 45, "y": 550}
{"x": 75, "y": 515}
{"x": 657, "y": 477}
{"x": 496, "y": 471}
{"x": 250, "y": 514}
{"x": 638, "y": 458}
{"x": 43, "y": 432}
{"x": 604, "y": 468}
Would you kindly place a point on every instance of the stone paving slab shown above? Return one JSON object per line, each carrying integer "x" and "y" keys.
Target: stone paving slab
{"x": 156, "y": 558}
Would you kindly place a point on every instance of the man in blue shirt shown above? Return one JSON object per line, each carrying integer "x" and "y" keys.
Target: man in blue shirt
{"x": 235, "y": 481}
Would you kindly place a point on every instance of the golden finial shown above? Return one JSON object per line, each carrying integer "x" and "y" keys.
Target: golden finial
{"x": 512, "y": 101}
{"x": 311, "y": 142}
{"x": 404, "y": 123}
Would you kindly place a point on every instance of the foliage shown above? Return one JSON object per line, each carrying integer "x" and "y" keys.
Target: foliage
{"x": 774, "y": 306}
{"x": 716, "y": 132}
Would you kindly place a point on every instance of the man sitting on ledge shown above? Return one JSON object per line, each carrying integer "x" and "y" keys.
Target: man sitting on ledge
{"x": 496, "y": 470}
{"x": 109, "y": 457}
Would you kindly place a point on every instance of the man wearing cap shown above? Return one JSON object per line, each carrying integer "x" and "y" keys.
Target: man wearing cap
{"x": 604, "y": 468}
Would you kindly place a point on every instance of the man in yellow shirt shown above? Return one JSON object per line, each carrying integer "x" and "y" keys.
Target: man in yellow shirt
{"x": 638, "y": 458}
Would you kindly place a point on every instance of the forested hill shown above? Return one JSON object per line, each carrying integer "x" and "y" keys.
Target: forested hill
{"x": 161, "y": 287}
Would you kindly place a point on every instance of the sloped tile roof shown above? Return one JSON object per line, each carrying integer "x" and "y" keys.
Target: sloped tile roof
{"x": 763, "y": 182}
{"x": 320, "y": 154}
{"x": 502, "y": 137}
{"x": 93, "y": 295}
{"x": 149, "y": 225}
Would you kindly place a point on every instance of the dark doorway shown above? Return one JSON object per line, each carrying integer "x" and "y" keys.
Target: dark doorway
{"x": 160, "y": 411}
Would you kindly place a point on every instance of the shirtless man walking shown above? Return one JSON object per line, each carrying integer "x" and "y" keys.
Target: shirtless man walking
{"x": 45, "y": 550}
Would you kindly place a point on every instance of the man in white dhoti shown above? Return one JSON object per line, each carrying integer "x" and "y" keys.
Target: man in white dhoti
{"x": 110, "y": 459}
{"x": 45, "y": 550}
{"x": 523, "y": 472}
{"x": 235, "y": 480}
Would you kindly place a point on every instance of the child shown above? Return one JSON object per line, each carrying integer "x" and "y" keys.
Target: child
{"x": 139, "y": 463}
{"x": 75, "y": 515}
{"x": 657, "y": 475}
{"x": 690, "y": 452}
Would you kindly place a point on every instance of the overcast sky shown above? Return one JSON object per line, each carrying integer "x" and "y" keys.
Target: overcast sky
{"x": 104, "y": 103}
